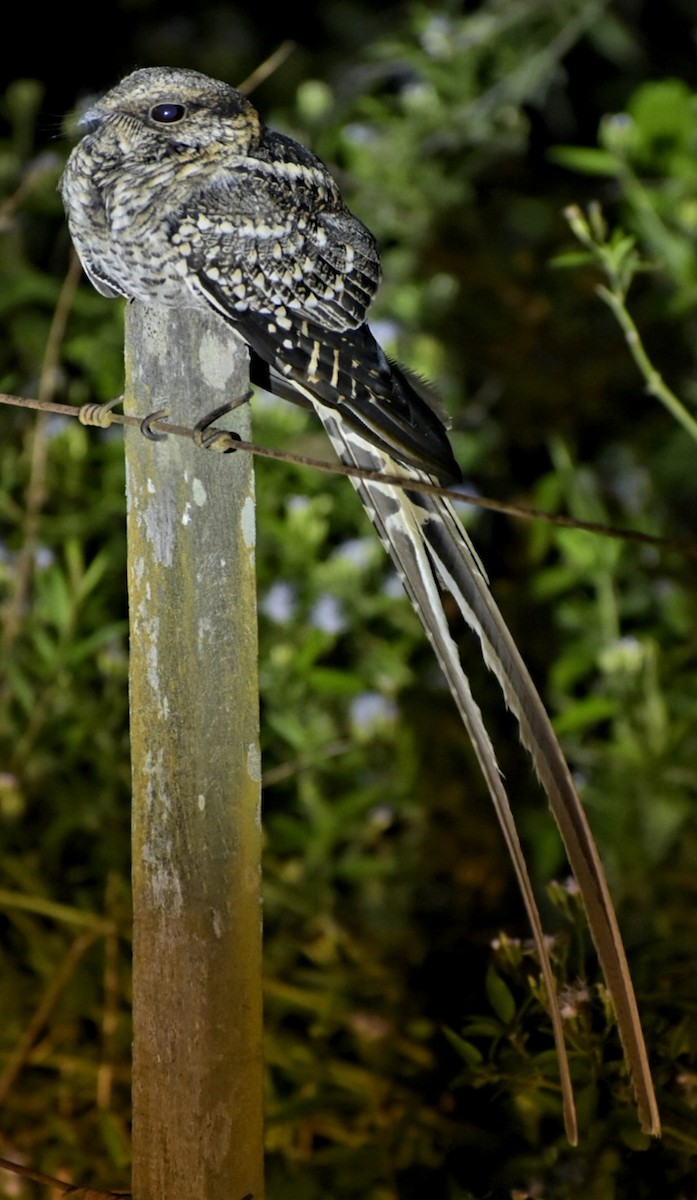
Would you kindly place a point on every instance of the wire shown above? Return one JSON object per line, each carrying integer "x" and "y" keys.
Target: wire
{"x": 102, "y": 415}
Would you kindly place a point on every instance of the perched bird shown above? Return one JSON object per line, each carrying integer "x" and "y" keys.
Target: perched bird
{"x": 178, "y": 195}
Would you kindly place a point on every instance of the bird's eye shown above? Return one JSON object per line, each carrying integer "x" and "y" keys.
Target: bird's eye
{"x": 167, "y": 114}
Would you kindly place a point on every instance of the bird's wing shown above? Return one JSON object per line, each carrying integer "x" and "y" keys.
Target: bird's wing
{"x": 309, "y": 256}
{"x": 347, "y": 370}
{"x": 297, "y": 286}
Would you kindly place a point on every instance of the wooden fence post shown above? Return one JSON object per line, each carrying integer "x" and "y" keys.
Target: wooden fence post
{"x": 197, "y": 1008}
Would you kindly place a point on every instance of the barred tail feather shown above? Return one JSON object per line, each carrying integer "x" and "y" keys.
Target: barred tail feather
{"x": 430, "y": 549}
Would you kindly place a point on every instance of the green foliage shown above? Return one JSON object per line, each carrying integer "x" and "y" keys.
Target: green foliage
{"x": 408, "y": 1043}
{"x": 650, "y": 151}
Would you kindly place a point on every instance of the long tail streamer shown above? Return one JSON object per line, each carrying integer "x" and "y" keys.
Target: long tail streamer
{"x": 431, "y": 551}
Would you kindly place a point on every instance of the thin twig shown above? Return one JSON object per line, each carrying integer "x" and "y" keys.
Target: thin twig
{"x": 18, "y": 1056}
{"x": 618, "y": 260}
{"x": 288, "y": 770}
{"x": 110, "y": 1007}
{"x": 35, "y": 495}
{"x": 267, "y": 68}
{"x": 54, "y": 911}
{"x": 60, "y": 1184}
{"x": 655, "y": 384}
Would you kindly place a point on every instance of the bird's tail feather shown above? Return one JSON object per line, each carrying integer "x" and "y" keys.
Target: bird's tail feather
{"x": 429, "y": 547}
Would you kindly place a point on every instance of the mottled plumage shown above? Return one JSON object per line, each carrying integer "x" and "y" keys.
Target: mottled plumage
{"x": 178, "y": 195}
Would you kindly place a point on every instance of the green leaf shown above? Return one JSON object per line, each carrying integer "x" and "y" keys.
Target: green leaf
{"x": 585, "y": 713}
{"x": 500, "y": 997}
{"x": 573, "y": 259}
{"x": 465, "y": 1049}
{"x": 585, "y": 159}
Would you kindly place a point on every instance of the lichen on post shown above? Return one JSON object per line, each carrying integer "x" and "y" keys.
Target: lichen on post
{"x": 197, "y": 1009}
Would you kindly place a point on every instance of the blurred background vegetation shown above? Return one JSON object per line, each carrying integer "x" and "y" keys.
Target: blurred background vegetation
{"x": 408, "y": 1053}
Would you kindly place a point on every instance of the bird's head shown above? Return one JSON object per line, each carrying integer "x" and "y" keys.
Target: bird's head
{"x": 177, "y": 108}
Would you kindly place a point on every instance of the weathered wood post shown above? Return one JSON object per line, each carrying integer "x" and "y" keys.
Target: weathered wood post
{"x": 197, "y": 1009}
